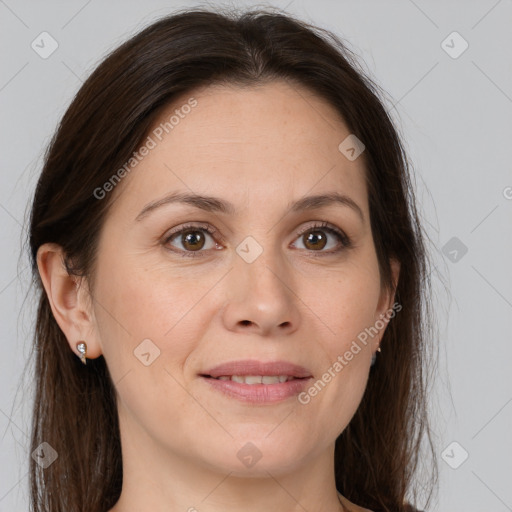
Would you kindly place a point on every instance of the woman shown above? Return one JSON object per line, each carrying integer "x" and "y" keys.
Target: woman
{"x": 232, "y": 281}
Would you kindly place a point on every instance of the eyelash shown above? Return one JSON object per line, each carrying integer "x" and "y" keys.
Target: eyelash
{"x": 326, "y": 226}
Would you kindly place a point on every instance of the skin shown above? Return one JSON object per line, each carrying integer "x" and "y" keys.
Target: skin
{"x": 261, "y": 149}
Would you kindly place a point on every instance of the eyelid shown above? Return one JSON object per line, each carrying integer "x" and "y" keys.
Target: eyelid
{"x": 194, "y": 225}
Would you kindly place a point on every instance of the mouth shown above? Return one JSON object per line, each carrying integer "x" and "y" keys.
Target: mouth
{"x": 256, "y": 381}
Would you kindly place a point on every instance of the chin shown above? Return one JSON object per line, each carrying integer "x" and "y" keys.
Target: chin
{"x": 257, "y": 456}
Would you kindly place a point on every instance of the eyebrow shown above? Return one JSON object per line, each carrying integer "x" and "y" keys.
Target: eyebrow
{"x": 217, "y": 205}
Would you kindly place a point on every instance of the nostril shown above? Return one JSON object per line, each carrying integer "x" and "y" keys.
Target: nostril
{"x": 246, "y": 322}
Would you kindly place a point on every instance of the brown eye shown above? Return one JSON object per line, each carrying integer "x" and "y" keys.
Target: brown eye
{"x": 323, "y": 238}
{"x": 192, "y": 240}
{"x": 315, "y": 240}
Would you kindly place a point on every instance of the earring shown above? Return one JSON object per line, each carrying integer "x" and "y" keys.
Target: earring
{"x": 81, "y": 346}
{"x": 374, "y": 356}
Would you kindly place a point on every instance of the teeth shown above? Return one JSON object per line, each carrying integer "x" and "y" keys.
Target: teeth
{"x": 252, "y": 379}
{"x": 257, "y": 379}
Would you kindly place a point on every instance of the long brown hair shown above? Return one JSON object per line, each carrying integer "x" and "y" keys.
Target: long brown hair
{"x": 75, "y": 412}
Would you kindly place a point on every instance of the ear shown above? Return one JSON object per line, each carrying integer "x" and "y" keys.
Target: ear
{"x": 69, "y": 299}
{"x": 386, "y": 301}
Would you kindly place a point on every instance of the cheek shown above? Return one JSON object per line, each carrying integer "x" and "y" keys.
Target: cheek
{"x": 136, "y": 304}
{"x": 344, "y": 304}
{"x": 148, "y": 314}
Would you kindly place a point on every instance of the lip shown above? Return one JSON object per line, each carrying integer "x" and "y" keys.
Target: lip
{"x": 254, "y": 367}
{"x": 258, "y": 393}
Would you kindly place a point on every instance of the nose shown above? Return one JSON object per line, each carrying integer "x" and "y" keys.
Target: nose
{"x": 261, "y": 297}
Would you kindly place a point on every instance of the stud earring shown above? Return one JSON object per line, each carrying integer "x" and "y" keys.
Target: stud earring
{"x": 81, "y": 346}
{"x": 374, "y": 356}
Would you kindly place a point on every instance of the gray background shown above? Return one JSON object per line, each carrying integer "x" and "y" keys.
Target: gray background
{"x": 455, "y": 116}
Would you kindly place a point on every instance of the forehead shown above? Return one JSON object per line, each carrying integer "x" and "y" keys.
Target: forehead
{"x": 249, "y": 144}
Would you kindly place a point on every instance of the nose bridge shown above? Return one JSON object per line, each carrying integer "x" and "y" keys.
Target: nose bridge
{"x": 262, "y": 265}
{"x": 260, "y": 292}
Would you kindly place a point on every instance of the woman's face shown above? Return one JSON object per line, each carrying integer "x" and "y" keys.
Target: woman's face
{"x": 271, "y": 290}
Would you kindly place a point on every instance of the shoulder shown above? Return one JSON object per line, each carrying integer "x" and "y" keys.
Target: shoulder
{"x": 352, "y": 507}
